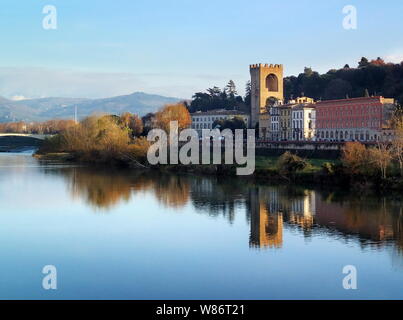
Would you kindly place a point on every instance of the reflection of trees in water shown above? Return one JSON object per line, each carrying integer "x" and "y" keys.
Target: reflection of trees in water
{"x": 99, "y": 189}
{"x": 104, "y": 189}
{"x": 372, "y": 220}
{"x": 172, "y": 191}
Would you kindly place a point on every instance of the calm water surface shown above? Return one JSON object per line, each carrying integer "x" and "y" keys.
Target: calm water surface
{"x": 127, "y": 235}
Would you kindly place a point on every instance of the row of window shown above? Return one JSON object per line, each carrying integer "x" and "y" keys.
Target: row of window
{"x": 296, "y": 124}
{"x": 349, "y": 124}
{"x": 207, "y": 119}
{"x": 346, "y": 135}
{"x": 347, "y": 111}
{"x": 202, "y": 126}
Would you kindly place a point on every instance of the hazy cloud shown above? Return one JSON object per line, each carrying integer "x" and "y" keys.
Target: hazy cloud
{"x": 395, "y": 57}
{"x": 22, "y": 83}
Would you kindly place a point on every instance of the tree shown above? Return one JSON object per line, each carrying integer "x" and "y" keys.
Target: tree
{"x": 231, "y": 89}
{"x": 289, "y": 164}
{"x": 232, "y": 124}
{"x": 337, "y": 89}
{"x": 386, "y": 79}
{"x": 363, "y": 63}
{"x": 271, "y": 101}
{"x": 378, "y": 62}
{"x": 397, "y": 142}
{"x": 308, "y": 71}
{"x": 173, "y": 112}
{"x": 248, "y": 91}
{"x": 381, "y": 157}
{"x": 354, "y": 157}
{"x": 132, "y": 122}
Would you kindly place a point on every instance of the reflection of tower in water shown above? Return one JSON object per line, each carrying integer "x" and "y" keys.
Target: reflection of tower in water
{"x": 266, "y": 228}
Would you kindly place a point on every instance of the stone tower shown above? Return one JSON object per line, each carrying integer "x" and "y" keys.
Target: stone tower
{"x": 266, "y": 82}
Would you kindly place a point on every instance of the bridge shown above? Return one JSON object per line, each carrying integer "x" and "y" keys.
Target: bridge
{"x": 28, "y": 135}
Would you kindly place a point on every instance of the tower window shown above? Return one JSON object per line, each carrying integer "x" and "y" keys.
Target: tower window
{"x": 272, "y": 83}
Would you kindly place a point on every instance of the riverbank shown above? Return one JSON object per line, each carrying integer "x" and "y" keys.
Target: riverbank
{"x": 318, "y": 172}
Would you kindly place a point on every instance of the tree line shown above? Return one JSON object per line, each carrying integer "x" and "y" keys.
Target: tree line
{"x": 375, "y": 77}
{"x": 110, "y": 138}
{"x": 226, "y": 98}
{"x": 46, "y": 127}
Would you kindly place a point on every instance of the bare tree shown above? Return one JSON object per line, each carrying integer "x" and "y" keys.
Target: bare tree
{"x": 397, "y": 143}
{"x": 381, "y": 157}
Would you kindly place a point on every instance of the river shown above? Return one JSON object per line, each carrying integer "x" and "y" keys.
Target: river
{"x": 139, "y": 235}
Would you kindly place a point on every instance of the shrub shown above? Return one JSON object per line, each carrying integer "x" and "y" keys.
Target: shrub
{"x": 289, "y": 164}
{"x": 328, "y": 168}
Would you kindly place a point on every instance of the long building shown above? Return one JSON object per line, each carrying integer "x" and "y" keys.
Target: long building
{"x": 360, "y": 119}
{"x": 205, "y": 120}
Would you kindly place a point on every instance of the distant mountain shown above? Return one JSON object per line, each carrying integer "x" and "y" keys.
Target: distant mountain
{"x": 63, "y": 108}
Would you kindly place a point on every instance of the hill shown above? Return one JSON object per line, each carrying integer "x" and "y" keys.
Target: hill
{"x": 370, "y": 77}
{"x": 63, "y": 108}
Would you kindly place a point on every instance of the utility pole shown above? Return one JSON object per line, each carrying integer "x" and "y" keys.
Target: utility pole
{"x": 75, "y": 114}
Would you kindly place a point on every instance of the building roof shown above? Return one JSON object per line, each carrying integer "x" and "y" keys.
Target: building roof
{"x": 297, "y": 105}
{"x": 379, "y": 99}
{"x": 219, "y": 112}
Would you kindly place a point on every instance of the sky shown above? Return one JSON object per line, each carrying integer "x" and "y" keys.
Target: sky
{"x": 104, "y": 48}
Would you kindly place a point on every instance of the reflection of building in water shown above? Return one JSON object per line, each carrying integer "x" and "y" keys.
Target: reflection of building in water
{"x": 298, "y": 209}
{"x": 303, "y": 209}
{"x": 266, "y": 228}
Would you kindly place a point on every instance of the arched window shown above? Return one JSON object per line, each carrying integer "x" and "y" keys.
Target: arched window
{"x": 272, "y": 82}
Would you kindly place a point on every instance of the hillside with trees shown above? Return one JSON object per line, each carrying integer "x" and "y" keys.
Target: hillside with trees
{"x": 375, "y": 77}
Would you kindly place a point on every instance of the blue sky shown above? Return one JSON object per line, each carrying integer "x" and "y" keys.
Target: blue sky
{"x": 104, "y": 48}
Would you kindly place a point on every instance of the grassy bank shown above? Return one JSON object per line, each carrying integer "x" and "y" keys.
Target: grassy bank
{"x": 109, "y": 141}
{"x": 318, "y": 172}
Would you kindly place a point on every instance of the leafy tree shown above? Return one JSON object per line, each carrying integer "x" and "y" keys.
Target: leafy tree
{"x": 231, "y": 89}
{"x": 271, "y": 101}
{"x": 215, "y": 98}
{"x": 248, "y": 92}
{"x": 232, "y": 124}
{"x": 363, "y": 63}
{"x": 132, "y": 122}
{"x": 173, "y": 112}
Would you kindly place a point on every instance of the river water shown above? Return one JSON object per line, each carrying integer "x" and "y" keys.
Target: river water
{"x": 131, "y": 235}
